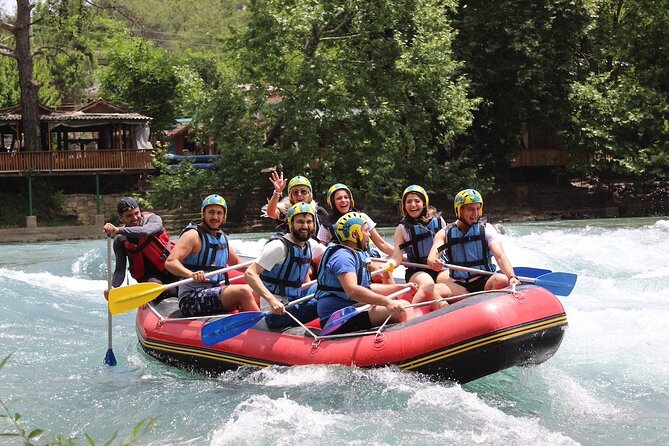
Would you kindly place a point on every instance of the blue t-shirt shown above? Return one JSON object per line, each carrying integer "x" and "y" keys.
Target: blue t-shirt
{"x": 342, "y": 261}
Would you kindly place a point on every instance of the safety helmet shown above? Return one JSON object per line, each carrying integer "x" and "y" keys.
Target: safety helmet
{"x": 416, "y": 189}
{"x": 299, "y": 208}
{"x": 214, "y": 199}
{"x": 349, "y": 227}
{"x": 334, "y": 188}
{"x": 467, "y": 196}
{"x": 299, "y": 181}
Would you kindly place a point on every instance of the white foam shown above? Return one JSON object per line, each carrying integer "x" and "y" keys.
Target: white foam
{"x": 59, "y": 284}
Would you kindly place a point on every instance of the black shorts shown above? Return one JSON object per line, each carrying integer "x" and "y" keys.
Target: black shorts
{"x": 411, "y": 271}
{"x": 474, "y": 286}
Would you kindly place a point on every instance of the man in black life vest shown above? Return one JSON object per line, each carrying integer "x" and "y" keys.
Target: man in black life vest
{"x": 143, "y": 241}
{"x": 471, "y": 242}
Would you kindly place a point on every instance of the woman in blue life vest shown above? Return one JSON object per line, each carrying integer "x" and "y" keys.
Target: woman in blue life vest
{"x": 344, "y": 279}
{"x": 201, "y": 248}
{"x": 340, "y": 200}
{"x": 471, "y": 242}
{"x": 282, "y": 267}
{"x": 413, "y": 239}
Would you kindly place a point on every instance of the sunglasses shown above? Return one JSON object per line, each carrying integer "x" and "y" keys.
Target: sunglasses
{"x": 299, "y": 192}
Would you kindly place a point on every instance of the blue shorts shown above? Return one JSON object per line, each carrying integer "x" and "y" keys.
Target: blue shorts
{"x": 201, "y": 302}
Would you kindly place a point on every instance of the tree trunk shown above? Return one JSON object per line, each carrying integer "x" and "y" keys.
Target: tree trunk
{"x": 29, "y": 87}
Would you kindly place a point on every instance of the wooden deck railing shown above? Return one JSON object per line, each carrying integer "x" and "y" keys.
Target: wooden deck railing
{"x": 76, "y": 162}
{"x": 540, "y": 157}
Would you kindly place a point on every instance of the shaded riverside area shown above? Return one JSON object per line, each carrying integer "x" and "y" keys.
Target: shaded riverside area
{"x": 510, "y": 203}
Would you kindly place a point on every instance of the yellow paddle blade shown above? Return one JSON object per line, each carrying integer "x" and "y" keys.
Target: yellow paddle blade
{"x": 129, "y": 297}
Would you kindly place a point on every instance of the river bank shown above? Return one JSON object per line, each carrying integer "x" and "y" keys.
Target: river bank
{"x": 509, "y": 203}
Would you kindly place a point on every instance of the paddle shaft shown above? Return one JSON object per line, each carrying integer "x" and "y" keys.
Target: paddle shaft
{"x": 465, "y": 269}
{"x": 209, "y": 274}
{"x": 110, "y": 359}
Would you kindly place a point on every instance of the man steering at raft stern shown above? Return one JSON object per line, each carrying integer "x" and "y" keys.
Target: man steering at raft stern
{"x": 143, "y": 241}
{"x": 471, "y": 242}
{"x": 205, "y": 247}
{"x": 344, "y": 280}
{"x": 283, "y": 266}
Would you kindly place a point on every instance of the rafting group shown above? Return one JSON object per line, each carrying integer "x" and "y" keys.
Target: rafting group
{"x": 353, "y": 287}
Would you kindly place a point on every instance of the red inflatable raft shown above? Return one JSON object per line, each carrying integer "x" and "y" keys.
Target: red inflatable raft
{"x": 477, "y": 336}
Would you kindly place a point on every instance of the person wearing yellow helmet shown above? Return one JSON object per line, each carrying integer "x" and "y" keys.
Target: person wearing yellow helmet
{"x": 471, "y": 242}
{"x": 299, "y": 191}
{"x": 283, "y": 266}
{"x": 344, "y": 279}
{"x": 204, "y": 247}
{"x": 413, "y": 239}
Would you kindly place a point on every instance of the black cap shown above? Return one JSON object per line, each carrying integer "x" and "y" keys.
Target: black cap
{"x": 125, "y": 204}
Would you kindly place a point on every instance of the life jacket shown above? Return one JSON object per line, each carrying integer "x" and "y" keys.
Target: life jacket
{"x": 213, "y": 254}
{"x": 417, "y": 248}
{"x": 285, "y": 279}
{"x": 148, "y": 254}
{"x": 328, "y": 283}
{"x": 469, "y": 249}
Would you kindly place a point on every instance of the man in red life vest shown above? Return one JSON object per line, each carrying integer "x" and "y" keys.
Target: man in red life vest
{"x": 143, "y": 241}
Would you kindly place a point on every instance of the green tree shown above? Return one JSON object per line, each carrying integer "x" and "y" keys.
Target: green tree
{"x": 521, "y": 58}
{"x": 348, "y": 90}
{"x": 620, "y": 117}
{"x": 141, "y": 77}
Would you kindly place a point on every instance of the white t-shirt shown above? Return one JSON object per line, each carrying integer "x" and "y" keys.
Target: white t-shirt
{"x": 491, "y": 234}
{"x": 325, "y": 236}
{"x": 275, "y": 252}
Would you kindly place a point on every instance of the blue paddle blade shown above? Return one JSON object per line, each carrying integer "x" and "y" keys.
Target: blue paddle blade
{"x": 229, "y": 327}
{"x": 110, "y": 359}
{"x": 337, "y": 319}
{"x": 560, "y": 284}
{"x": 526, "y": 271}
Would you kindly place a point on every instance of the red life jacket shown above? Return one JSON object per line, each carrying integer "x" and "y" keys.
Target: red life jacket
{"x": 153, "y": 249}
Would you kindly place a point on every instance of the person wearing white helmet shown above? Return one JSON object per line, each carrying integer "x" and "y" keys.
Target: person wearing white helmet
{"x": 471, "y": 242}
{"x": 204, "y": 247}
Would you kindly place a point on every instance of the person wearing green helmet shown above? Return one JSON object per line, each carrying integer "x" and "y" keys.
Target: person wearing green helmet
{"x": 344, "y": 279}
{"x": 413, "y": 239}
{"x": 299, "y": 191}
{"x": 204, "y": 247}
{"x": 283, "y": 266}
{"x": 471, "y": 242}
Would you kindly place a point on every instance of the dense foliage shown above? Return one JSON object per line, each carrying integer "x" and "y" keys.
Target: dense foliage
{"x": 375, "y": 94}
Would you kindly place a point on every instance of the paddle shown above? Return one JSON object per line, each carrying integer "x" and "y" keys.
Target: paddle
{"x": 110, "y": 359}
{"x": 340, "y": 317}
{"x": 560, "y": 284}
{"x": 525, "y": 271}
{"x": 129, "y": 297}
{"x": 230, "y": 326}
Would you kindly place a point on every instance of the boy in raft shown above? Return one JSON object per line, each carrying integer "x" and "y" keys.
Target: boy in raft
{"x": 471, "y": 242}
{"x": 283, "y": 266}
{"x": 143, "y": 241}
{"x": 205, "y": 247}
{"x": 413, "y": 239}
{"x": 299, "y": 191}
{"x": 344, "y": 280}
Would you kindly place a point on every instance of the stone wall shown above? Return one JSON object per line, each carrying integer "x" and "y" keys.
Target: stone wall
{"x": 83, "y": 207}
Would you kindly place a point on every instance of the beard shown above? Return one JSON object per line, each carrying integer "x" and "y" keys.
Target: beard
{"x": 299, "y": 236}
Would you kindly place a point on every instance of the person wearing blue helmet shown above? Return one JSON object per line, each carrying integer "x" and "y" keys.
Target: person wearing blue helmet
{"x": 344, "y": 279}
{"x": 201, "y": 248}
{"x": 283, "y": 266}
{"x": 471, "y": 242}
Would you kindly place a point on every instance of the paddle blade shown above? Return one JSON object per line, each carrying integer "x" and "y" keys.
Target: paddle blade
{"x": 128, "y": 298}
{"x": 110, "y": 359}
{"x": 526, "y": 271}
{"x": 560, "y": 284}
{"x": 337, "y": 319}
{"x": 229, "y": 327}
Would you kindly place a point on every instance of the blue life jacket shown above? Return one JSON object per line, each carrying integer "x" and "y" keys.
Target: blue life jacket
{"x": 470, "y": 250}
{"x": 285, "y": 279}
{"x": 328, "y": 283}
{"x": 417, "y": 248}
{"x": 212, "y": 256}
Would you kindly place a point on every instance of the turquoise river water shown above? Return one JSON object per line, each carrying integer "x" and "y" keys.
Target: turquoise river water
{"x": 608, "y": 384}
